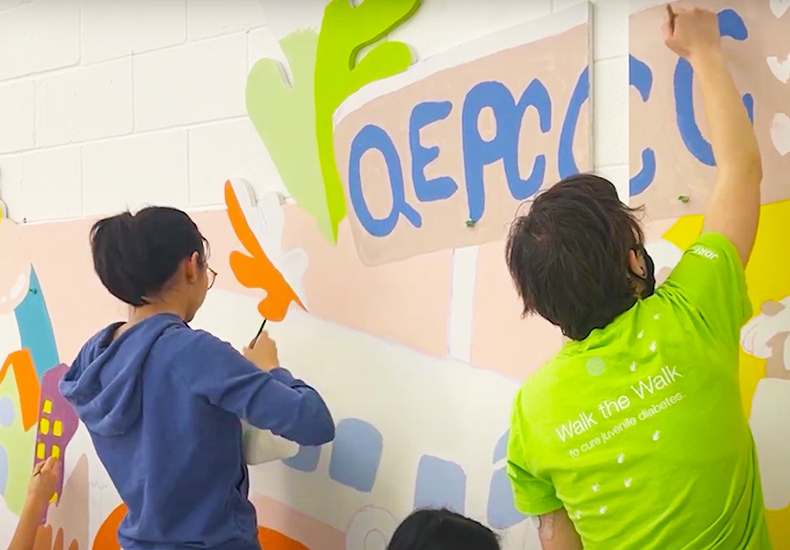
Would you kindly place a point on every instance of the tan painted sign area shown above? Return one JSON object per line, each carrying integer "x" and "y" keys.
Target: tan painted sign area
{"x": 442, "y": 156}
{"x": 669, "y": 130}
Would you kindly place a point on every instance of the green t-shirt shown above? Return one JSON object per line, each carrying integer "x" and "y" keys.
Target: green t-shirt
{"x": 638, "y": 430}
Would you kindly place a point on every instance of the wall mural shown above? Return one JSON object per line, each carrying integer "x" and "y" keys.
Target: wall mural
{"x": 386, "y": 278}
{"x": 384, "y": 282}
{"x": 673, "y": 175}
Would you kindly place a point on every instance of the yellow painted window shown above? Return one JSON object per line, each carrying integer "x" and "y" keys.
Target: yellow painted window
{"x": 55, "y": 451}
{"x": 44, "y": 426}
{"x": 57, "y": 428}
{"x": 40, "y": 451}
{"x": 47, "y": 406}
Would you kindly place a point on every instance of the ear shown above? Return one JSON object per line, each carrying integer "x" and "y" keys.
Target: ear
{"x": 636, "y": 264}
{"x": 192, "y": 267}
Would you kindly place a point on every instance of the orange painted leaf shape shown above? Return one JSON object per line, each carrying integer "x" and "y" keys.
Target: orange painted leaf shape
{"x": 256, "y": 270}
{"x": 274, "y": 540}
{"x": 107, "y": 536}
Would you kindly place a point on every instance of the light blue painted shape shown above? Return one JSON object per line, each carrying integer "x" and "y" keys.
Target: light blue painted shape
{"x": 641, "y": 77}
{"x": 479, "y": 152}
{"x": 306, "y": 460}
{"x": 566, "y": 160}
{"x": 356, "y": 454}
{"x": 3, "y": 469}
{"x": 646, "y": 174}
{"x": 502, "y": 513}
{"x": 7, "y": 413}
{"x": 500, "y": 451}
{"x": 730, "y": 25}
{"x": 374, "y": 137}
{"x": 35, "y": 328}
{"x": 440, "y": 484}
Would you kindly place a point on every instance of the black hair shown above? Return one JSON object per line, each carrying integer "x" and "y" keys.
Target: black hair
{"x": 442, "y": 530}
{"x": 135, "y": 256}
{"x": 569, "y": 255}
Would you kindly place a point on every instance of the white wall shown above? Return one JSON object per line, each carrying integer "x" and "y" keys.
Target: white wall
{"x": 106, "y": 104}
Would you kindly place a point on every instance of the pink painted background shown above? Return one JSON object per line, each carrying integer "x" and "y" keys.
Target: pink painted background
{"x": 406, "y": 302}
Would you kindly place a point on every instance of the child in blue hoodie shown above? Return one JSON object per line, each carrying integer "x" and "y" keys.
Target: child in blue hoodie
{"x": 163, "y": 402}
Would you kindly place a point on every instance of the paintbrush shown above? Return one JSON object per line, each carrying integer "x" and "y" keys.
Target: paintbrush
{"x": 260, "y": 331}
{"x": 672, "y": 15}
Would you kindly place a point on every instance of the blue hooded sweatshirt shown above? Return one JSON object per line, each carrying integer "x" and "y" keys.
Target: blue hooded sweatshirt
{"x": 162, "y": 403}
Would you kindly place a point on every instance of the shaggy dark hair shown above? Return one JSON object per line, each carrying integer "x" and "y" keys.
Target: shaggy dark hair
{"x": 569, "y": 255}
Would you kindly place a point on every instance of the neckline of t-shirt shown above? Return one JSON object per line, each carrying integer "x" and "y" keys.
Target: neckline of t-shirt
{"x": 573, "y": 347}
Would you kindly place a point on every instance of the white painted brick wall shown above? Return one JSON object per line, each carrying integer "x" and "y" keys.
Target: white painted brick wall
{"x": 205, "y": 20}
{"x": 211, "y": 162}
{"x": 17, "y": 117}
{"x": 39, "y": 36}
{"x": 611, "y": 29}
{"x": 285, "y": 17}
{"x": 262, "y": 42}
{"x": 43, "y": 185}
{"x": 443, "y": 24}
{"x": 148, "y": 95}
{"x": 88, "y": 103}
{"x": 610, "y": 99}
{"x": 191, "y": 83}
{"x": 118, "y": 28}
{"x": 132, "y": 172}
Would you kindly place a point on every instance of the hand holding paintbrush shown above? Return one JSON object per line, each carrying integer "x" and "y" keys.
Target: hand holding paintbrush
{"x": 691, "y": 32}
{"x": 260, "y": 330}
{"x": 671, "y": 17}
{"x": 262, "y": 351}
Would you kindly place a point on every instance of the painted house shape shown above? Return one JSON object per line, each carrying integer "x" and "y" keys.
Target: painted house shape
{"x": 356, "y": 457}
{"x": 57, "y": 422}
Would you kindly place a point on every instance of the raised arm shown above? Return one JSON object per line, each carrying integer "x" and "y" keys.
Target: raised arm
{"x": 43, "y": 485}
{"x": 256, "y": 389}
{"x": 735, "y": 204}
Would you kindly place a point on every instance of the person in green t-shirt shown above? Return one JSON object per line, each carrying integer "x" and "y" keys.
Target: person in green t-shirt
{"x": 634, "y": 437}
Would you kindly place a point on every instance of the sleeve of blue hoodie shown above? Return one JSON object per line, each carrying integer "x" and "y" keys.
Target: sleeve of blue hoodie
{"x": 274, "y": 400}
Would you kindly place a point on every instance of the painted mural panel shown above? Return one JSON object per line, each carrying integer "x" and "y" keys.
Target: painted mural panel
{"x": 381, "y": 464}
{"x": 442, "y": 155}
{"x": 673, "y": 175}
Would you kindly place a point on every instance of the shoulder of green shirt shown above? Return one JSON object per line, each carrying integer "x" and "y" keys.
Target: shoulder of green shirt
{"x": 712, "y": 279}
{"x": 717, "y": 242}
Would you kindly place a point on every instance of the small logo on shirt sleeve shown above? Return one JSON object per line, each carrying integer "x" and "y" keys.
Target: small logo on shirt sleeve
{"x": 704, "y": 252}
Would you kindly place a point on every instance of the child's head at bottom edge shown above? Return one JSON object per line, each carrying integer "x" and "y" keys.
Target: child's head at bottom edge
{"x": 442, "y": 530}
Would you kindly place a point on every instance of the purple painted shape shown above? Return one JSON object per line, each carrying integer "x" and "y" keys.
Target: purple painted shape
{"x": 60, "y": 421}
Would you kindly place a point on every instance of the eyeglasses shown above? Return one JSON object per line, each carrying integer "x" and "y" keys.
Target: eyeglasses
{"x": 212, "y": 276}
